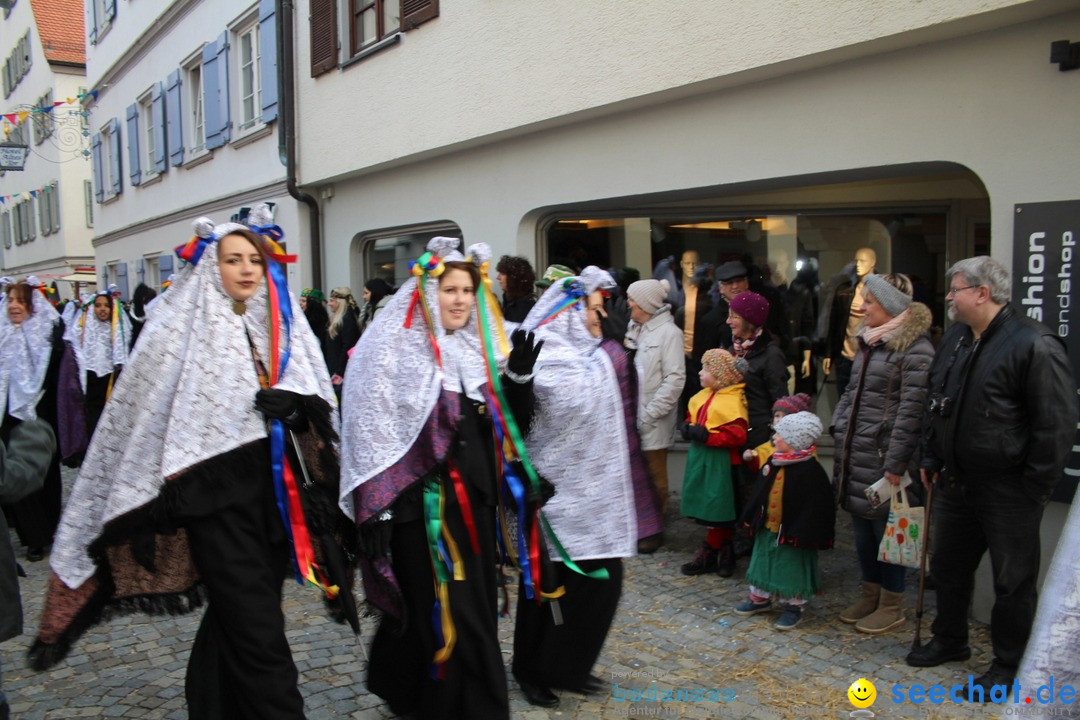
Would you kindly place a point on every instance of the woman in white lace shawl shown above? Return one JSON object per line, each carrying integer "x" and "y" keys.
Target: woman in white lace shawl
{"x": 30, "y": 351}
{"x": 419, "y": 457}
{"x": 100, "y": 338}
{"x": 189, "y": 491}
{"x": 578, "y": 442}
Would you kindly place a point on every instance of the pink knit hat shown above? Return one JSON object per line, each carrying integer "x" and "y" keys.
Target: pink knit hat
{"x": 751, "y": 307}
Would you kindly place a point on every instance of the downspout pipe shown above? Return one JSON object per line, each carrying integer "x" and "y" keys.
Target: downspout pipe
{"x": 287, "y": 131}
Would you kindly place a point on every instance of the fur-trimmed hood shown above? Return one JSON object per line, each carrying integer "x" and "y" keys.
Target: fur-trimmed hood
{"x": 916, "y": 325}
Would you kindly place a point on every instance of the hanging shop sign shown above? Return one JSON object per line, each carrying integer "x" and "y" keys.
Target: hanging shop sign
{"x": 1045, "y": 256}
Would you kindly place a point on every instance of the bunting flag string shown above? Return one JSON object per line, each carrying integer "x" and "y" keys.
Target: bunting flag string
{"x": 18, "y": 117}
{"x": 15, "y": 197}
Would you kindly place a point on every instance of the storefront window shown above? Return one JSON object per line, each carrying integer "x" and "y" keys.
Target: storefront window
{"x": 387, "y": 255}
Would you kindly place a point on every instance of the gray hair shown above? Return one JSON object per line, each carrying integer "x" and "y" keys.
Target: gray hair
{"x": 984, "y": 270}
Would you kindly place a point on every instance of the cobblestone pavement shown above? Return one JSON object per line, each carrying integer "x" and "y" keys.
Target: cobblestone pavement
{"x": 672, "y": 633}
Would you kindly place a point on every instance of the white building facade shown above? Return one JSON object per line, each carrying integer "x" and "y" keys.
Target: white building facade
{"x": 184, "y": 125}
{"x": 45, "y": 222}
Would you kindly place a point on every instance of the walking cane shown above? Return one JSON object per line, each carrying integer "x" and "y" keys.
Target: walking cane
{"x": 916, "y": 642}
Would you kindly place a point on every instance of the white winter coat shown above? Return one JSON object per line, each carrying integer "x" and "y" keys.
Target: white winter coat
{"x": 661, "y": 370}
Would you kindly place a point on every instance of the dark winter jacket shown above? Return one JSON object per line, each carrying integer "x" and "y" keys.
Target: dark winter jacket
{"x": 1011, "y": 410}
{"x": 808, "y": 514}
{"x": 23, "y": 462}
{"x": 766, "y": 382}
{"x": 878, "y": 421}
{"x": 336, "y": 349}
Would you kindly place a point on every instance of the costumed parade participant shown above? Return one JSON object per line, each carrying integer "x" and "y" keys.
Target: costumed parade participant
{"x": 425, "y": 386}
{"x": 30, "y": 351}
{"x": 792, "y": 515}
{"x": 213, "y": 473}
{"x": 341, "y": 334}
{"x": 592, "y": 511}
{"x": 140, "y": 300}
{"x": 313, "y": 303}
{"x": 715, "y": 425}
{"x": 99, "y": 338}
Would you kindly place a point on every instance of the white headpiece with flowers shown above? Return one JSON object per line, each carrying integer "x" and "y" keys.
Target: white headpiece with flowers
{"x": 578, "y": 438}
{"x": 25, "y": 351}
{"x": 187, "y": 394}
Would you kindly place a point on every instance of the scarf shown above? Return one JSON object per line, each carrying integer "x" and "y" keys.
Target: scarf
{"x": 795, "y": 456}
{"x": 187, "y": 394}
{"x": 25, "y": 351}
{"x": 400, "y": 366}
{"x": 871, "y": 336}
{"x": 742, "y": 347}
{"x": 578, "y": 439}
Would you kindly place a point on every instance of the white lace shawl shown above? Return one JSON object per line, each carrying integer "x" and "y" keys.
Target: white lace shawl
{"x": 1052, "y": 657}
{"x": 578, "y": 438}
{"x": 187, "y": 394}
{"x": 393, "y": 381}
{"x": 98, "y": 349}
{"x": 24, "y": 358}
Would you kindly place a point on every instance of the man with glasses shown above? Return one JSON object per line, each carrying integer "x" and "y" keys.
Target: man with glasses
{"x": 1000, "y": 424}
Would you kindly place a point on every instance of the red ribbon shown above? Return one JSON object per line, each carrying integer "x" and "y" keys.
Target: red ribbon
{"x": 466, "y": 507}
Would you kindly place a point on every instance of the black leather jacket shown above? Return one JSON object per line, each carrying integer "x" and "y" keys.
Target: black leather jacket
{"x": 1010, "y": 405}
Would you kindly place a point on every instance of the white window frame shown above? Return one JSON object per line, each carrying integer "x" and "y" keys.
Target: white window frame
{"x": 107, "y": 165}
{"x": 247, "y": 27}
{"x": 152, "y": 271}
{"x": 195, "y": 118}
{"x": 146, "y": 139}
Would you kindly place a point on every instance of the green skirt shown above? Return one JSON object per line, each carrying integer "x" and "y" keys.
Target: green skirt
{"x": 783, "y": 570}
{"x": 708, "y": 491}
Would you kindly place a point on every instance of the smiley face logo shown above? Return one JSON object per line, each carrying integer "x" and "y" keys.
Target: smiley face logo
{"x": 862, "y": 693}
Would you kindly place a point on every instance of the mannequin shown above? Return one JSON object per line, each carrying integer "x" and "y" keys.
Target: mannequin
{"x": 845, "y": 314}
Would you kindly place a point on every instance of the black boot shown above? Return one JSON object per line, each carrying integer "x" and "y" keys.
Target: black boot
{"x": 725, "y": 562}
{"x": 703, "y": 562}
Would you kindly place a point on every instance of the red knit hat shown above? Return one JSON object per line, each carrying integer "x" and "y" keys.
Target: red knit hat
{"x": 791, "y": 404}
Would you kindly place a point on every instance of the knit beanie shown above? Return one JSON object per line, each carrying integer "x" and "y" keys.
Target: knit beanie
{"x": 891, "y": 298}
{"x": 649, "y": 294}
{"x": 751, "y": 307}
{"x": 800, "y": 430}
{"x": 791, "y": 404}
{"x": 723, "y": 366}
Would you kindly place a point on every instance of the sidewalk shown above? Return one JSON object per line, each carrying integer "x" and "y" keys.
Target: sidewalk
{"x": 672, "y": 633}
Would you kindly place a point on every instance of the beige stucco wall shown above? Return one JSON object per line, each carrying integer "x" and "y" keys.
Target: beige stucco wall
{"x": 990, "y": 102}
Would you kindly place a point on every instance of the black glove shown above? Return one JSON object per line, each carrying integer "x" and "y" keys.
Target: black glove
{"x": 283, "y": 405}
{"x": 373, "y": 537}
{"x": 524, "y": 353}
{"x": 684, "y": 431}
{"x": 698, "y": 433}
{"x": 144, "y": 550}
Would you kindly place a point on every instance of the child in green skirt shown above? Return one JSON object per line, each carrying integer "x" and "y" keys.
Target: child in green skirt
{"x": 716, "y": 423}
{"x": 792, "y": 515}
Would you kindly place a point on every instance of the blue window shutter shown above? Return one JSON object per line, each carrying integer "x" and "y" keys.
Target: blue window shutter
{"x": 223, "y": 85}
{"x": 99, "y": 187}
{"x": 268, "y": 59}
{"x": 92, "y": 37}
{"x": 141, "y": 270}
{"x": 157, "y": 112}
{"x": 133, "y": 144}
{"x": 115, "y": 159}
{"x": 174, "y": 114}
{"x": 211, "y": 116}
{"x": 122, "y": 280}
{"x": 165, "y": 266}
{"x": 110, "y": 9}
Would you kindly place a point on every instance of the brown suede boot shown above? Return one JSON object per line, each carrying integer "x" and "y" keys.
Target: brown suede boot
{"x": 866, "y": 604}
{"x": 888, "y": 615}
